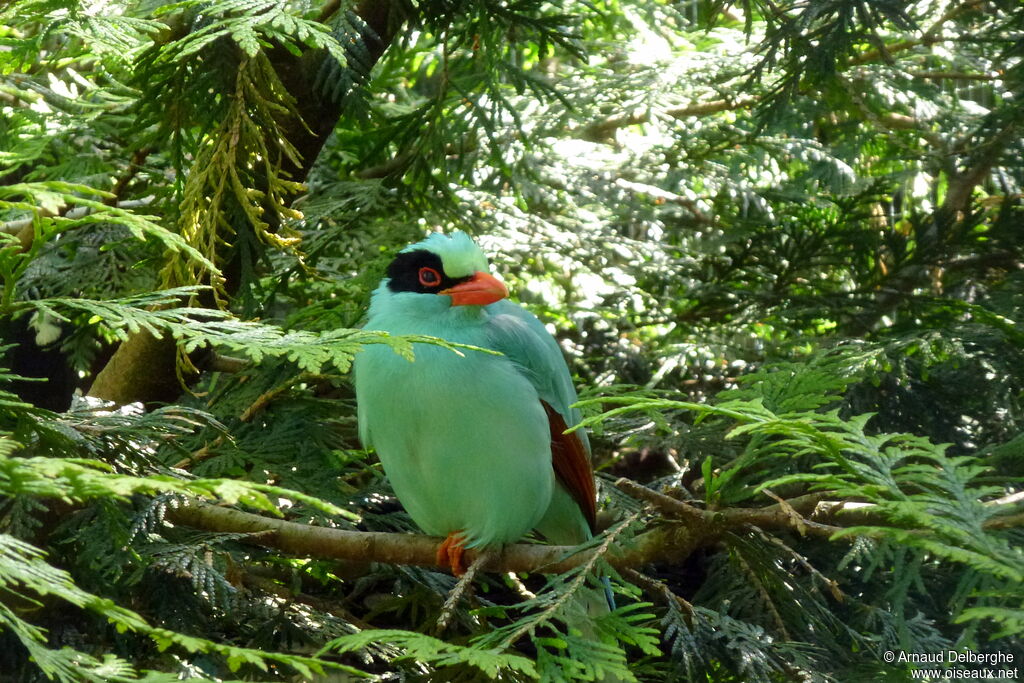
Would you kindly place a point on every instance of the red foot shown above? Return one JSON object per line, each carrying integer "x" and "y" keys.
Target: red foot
{"x": 450, "y": 553}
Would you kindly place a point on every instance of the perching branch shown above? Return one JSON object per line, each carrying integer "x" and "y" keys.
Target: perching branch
{"x": 663, "y": 544}
{"x": 684, "y": 529}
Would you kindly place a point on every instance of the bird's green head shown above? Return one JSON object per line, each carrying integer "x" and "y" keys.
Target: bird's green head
{"x": 449, "y": 266}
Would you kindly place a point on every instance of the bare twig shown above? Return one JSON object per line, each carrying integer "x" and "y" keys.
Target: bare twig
{"x": 712, "y": 107}
{"x": 267, "y": 397}
{"x": 799, "y": 523}
{"x": 198, "y": 455}
{"x": 954, "y": 75}
{"x": 832, "y": 584}
{"x": 1010, "y": 499}
{"x": 602, "y": 130}
{"x": 657, "y": 589}
{"x": 766, "y": 597}
{"x": 122, "y": 182}
{"x": 670, "y": 506}
{"x": 257, "y": 406}
{"x": 519, "y": 586}
{"x": 229, "y": 364}
{"x": 780, "y": 515}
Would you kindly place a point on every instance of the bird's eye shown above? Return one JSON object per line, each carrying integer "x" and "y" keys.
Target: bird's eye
{"x": 429, "y": 277}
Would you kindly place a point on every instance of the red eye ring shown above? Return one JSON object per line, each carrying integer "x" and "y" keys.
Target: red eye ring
{"x": 429, "y": 277}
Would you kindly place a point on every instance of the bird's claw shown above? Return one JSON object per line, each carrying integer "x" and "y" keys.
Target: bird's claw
{"x": 450, "y": 553}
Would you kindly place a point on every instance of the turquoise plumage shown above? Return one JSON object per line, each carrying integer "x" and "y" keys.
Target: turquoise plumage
{"x": 472, "y": 445}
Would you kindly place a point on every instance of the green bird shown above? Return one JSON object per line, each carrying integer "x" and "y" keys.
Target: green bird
{"x": 473, "y": 445}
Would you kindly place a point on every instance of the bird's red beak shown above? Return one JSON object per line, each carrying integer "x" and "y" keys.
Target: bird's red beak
{"x": 481, "y": 290}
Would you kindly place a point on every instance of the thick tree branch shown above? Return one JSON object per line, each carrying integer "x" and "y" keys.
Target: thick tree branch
{"x": 685, "y": 528}
{"x": 665, "y": 543}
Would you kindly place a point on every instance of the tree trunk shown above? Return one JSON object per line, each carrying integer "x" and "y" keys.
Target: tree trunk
{"x": 144, "y": 368}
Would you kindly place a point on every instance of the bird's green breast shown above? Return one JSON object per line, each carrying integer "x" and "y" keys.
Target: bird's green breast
{"x": 464, "y": 440}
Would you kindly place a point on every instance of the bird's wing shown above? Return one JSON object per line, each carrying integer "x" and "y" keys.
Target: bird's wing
{"x": 519, "y": 335}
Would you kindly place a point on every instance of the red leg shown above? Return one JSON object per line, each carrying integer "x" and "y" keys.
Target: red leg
{"x": 450, "y": 553}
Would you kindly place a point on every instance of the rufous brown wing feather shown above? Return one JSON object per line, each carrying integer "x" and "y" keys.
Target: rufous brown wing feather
{"x": 572, "y": 466}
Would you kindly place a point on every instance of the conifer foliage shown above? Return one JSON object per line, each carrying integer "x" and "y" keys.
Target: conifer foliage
{"x": 779, "y": 243}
